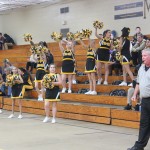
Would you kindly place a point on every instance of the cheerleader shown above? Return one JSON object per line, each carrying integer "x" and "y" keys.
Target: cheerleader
{"x": 103, "y": 54}
{"x": 68, "y": 64}
{"x": 51, "y": 82}
{"x": 27, "y": 80}
{"x": 90, "y": 68}
{"x": 125, "y": 55}
{"x": 16, "y": 81}
{"x": 39, "y": 75}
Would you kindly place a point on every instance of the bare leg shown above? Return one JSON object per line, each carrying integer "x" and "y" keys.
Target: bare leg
{"x": 37, "y": 88}
{"x": 124, "y": 74}
{"x": 47, "y": 109}
{"x": 54, "y": 109}
{"x": 64, "y": 80}
{"x": 93, "y": 81}
{"x": 90, "y": 81}
{"x": 20, "y": 106}
{"x": 70, "y": 81}
{"x": 127, "y": 68}
{"x": 13, "y": 105}
{"x": 106, "y": 71}
{"x": 99, "y": 70}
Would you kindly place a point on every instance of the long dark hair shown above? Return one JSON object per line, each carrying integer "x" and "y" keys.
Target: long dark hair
{"x": 27, "y": 72}
{"x": 105, "y": 32}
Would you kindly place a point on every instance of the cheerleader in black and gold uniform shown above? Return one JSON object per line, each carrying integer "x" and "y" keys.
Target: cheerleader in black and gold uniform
{"x": 27, "y": 80}
{"x": 90, "y": 68}
{"x": 41, "y": 59}
{"x": 16, "y": 82}
{"x": 68, "y": 64}
{"x": 125, "y": 55}
{"x": 51, "y": 82}
{"x": 103, "y": 55}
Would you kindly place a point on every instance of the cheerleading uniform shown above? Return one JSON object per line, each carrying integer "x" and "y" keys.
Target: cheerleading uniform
{"x": 27, "y": 83}
{"x": 16, "y": 87}
{"x": 68, "y": 63}
{"x": 103, "y": 54}
{"x": 52, "y": 93}
{"x": 125, "y": 51}
{"x": 40, "y": 70}
{"x": 90, "y": 61}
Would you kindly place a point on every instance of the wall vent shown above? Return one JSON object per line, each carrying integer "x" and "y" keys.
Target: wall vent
{"x": 64, "y": 31}
{"x": 64, "y": 10}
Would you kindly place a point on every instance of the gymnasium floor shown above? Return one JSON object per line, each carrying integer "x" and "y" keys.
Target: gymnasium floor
{"x": 30, "y": 133}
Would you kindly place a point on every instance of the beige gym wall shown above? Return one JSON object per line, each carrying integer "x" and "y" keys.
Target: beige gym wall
{"x": 42, "y": 21}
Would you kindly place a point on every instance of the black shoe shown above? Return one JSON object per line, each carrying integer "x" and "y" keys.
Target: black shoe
{"x": 136, "y": 108}
{"x": 135, "y": 148}
{"x": 128, "y": 107}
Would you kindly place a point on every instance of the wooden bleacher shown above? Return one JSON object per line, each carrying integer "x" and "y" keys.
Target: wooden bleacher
{"x": 100, "y": 108}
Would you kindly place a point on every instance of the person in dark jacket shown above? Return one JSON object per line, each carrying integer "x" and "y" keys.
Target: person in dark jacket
{"x": 8, "y": 41}
{"x": 1, "y": 41}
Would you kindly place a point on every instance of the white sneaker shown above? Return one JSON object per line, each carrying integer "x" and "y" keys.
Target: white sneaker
{"x": 46, "y": 119}
{"x": 20, "y": 117}
{"x": 53, "y": 120}
{"x": 123, "y": 84}
{"x": 105, "y": 83}
{"x": 74, "y": 82}
{"x": 99, "y": 81}
{"x": 0, "y": 111}
{"x": 11, "y": 116}
{"x": 40, "y": 98}
{"x": 63, "y": 90}
{"x": 93, "y": 93}
{"x": 69, "y": 91}
{"x": 130, "y": 84}
{"x": 89, "y": 92}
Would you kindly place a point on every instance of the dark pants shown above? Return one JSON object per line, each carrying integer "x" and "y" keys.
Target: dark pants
{"x": 30, "y": 64}
{"x": 135, "y": 58}
{"x": 144, "y": 131}
{"x": 139, "y": 57}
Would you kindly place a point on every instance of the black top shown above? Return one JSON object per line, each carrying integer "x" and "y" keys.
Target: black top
{"x": 8, "y": 39}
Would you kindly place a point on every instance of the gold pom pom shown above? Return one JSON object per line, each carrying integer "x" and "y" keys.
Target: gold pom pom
{"x": 70, "y": 36}
{"x": 27, "y": 37}
{"x": 56, "y": 36}
{"x": 86, "y": 33}
{"x": 47, "y": 81}
{"x": 116, "y": 43}
{"x": 98, "y": 24}
{"x": 9, "y": 80}
{"x": 78, "y": 35}
{"x": 118, "y": 56}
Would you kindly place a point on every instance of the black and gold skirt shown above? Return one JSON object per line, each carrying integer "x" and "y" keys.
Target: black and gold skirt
{"x": 68, "y": 67}
{"x": 52, "y": 94}
{"x": 17, "y": 91}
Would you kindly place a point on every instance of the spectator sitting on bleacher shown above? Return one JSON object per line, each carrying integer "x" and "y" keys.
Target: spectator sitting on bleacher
{"x": 7, "y": 71}
{"x": 138, "y": 47}
{"x": 1, "y": 41}
{"x": 147, "y": 43}
{"x": 1, "y": 83}
{"x": 8, "y": 41}
{"x": 27, "y": 80}
{"x": 134, "y": 40}
{"x": 115, "y": 64}
{"x": 129, "y": 96}
{"x": 31, "y": 63}
{"x": 6, "y": 64}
